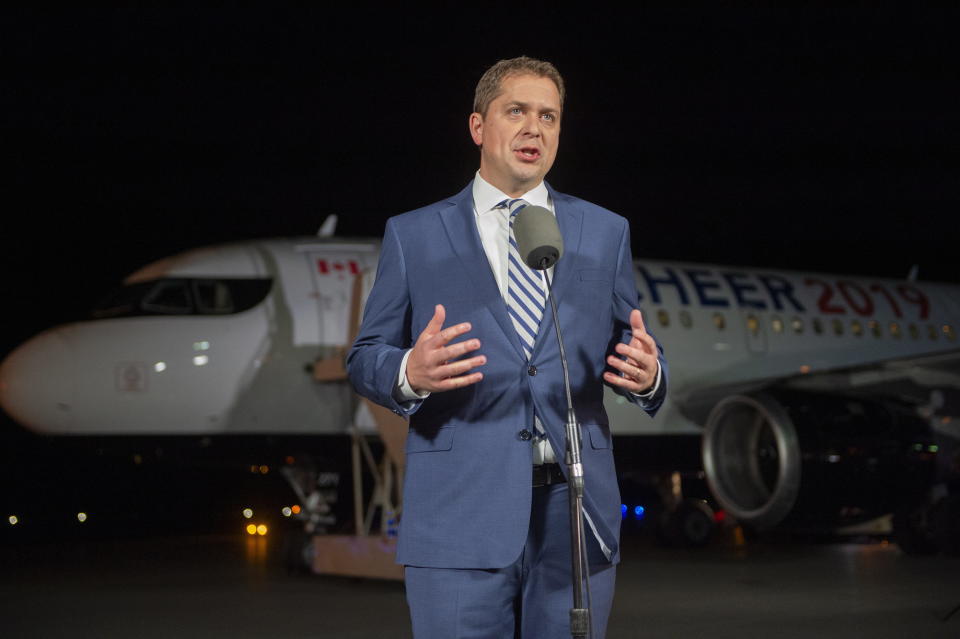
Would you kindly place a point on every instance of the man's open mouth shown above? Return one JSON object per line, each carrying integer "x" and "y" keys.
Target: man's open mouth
{"x": 529, "y": 153}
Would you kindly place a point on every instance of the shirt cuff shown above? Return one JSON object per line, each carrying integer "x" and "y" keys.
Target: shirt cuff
{"x": 404, "y": 391}
{"x": 653, "y": 390}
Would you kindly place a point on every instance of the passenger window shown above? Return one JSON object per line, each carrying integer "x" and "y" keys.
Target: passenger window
{"x": 932, "y": 331}
{"x": 948, "y": 331}
{"x": 914, "y": 331}
{"x": 797, "y": 325}
{"x": 663, "y": 317}
{"x": 895, "y": 330}
{"x": 856, "y": 328}
{"x": 685, "y": 320}
{"x": 838, "y": 326}
{"x": 875, "y": 328}
{"x": 719, "y": 321}
{"x": 817, "y": 326}
{"x": 776, "y": 324}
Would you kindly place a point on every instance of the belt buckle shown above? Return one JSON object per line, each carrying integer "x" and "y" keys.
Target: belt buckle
{"x": 540, "y": 476}
{"x": 547, "y": 475}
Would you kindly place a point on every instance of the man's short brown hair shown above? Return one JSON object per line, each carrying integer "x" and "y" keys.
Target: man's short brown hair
{"x": 488, "y": 88}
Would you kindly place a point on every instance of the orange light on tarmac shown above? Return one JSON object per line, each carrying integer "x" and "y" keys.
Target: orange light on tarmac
{"x": 251, "y": 529}
{"x": 264, "y": 469}
{"x": 261, "y": 530}
{"x": 296, "y": 509}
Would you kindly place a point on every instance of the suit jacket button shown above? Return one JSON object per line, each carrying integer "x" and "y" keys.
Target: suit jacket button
{"x": 526, "y": 435}
{"x": 532, "y": 371}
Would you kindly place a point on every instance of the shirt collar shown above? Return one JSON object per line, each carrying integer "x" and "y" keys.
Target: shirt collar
{"x": 486, "y": 196}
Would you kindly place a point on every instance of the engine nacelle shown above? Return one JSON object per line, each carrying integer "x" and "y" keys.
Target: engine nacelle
{"x": 814, "y": 461}
{"x": 751, "y": 456}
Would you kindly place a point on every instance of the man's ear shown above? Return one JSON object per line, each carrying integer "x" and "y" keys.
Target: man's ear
{"x": 476, "y": 128}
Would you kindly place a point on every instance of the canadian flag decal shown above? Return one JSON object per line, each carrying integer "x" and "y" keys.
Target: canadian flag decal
{"x": 326, "y": 267}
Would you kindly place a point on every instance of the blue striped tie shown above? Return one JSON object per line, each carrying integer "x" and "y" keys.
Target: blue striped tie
{"x": 526, "y": 294}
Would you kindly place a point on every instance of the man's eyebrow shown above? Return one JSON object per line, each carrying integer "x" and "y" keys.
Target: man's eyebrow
{"x": 526, "y": 105}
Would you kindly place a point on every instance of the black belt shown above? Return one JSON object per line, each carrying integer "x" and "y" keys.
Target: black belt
{"x": 546, "y": 474}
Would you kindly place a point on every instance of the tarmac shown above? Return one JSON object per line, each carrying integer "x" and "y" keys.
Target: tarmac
{"x": 237, "y": 587}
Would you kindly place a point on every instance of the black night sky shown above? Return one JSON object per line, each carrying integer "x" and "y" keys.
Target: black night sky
{"x": 794, "y": 138}
{"x": 813, "y": 139}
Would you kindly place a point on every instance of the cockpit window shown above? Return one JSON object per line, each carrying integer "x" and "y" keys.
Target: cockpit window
{"x": 169, "y": 297}
{"x": 213, "y": 297}
{"x": 184, "y": 296}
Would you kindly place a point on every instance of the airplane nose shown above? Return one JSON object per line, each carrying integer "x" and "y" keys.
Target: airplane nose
{"x": 37, "y": 382}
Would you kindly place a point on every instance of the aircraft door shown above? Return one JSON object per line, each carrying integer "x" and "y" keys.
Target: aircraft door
{"x": 334, "y": 272}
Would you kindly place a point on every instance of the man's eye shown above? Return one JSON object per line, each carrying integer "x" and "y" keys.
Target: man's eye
{"x": 515, "y": 111}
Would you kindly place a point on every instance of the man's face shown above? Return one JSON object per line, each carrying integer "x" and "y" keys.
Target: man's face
{"x": 519, "y": 134}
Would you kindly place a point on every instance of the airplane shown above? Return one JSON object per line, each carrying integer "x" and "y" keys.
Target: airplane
{"x": 799, "y": 399}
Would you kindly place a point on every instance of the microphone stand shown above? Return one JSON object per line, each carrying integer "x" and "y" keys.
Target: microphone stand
{"x": 580, "y": 626}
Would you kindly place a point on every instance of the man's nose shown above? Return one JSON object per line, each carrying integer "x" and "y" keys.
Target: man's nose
{"x": 531, "y": 124}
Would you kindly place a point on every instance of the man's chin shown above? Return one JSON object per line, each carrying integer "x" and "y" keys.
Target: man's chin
{"x": 531, "y": 173}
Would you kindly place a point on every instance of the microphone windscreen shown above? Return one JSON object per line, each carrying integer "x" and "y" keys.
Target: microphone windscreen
{"x": 538, "y": 237}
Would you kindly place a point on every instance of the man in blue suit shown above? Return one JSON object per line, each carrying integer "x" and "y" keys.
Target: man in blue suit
{"x": 484, "y": 535}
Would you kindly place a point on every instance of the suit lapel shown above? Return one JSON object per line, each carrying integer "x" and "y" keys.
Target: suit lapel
{"x": 461, "y": 228}
{"x": 570, "y": 221}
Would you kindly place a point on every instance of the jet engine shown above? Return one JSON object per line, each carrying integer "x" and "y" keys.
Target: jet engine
{"x": 815, "y": 462}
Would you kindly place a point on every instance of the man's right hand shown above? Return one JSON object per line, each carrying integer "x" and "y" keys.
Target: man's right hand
{"x": 429, "y": 367}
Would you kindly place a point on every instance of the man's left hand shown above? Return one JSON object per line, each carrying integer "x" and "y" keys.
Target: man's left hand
{"x": 638, "y": 368}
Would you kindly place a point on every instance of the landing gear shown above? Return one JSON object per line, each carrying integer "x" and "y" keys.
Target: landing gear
{"x": 298, "y": 551}
{"x": 945, "y": 520}
{"x": 691, "y": 524}
{"x": 928, "y": 529}
{"x": 317, "y": 491}
{"x": 912, "y": 532}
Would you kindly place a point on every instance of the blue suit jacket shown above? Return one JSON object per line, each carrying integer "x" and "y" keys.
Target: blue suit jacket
{"x": 467, "y": 487}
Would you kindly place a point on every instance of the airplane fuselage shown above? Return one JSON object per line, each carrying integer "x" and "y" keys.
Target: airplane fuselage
{"x": 220, "y": 340}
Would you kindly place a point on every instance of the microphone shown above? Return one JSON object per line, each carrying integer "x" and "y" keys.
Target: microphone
{"x": 538, "y": 237}
{"x": 540, "y": 246}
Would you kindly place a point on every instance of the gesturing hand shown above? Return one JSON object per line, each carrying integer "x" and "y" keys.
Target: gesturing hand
{"x": 429, "y": 367}
{"x": 639, "y": 370}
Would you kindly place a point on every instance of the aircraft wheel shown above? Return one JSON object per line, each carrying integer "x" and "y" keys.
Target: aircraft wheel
{"x": 945, "y": 524}
{"x": 298, "y": 552}
{"x": 690, "y": 524}
{"x": 912, "y": 530}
